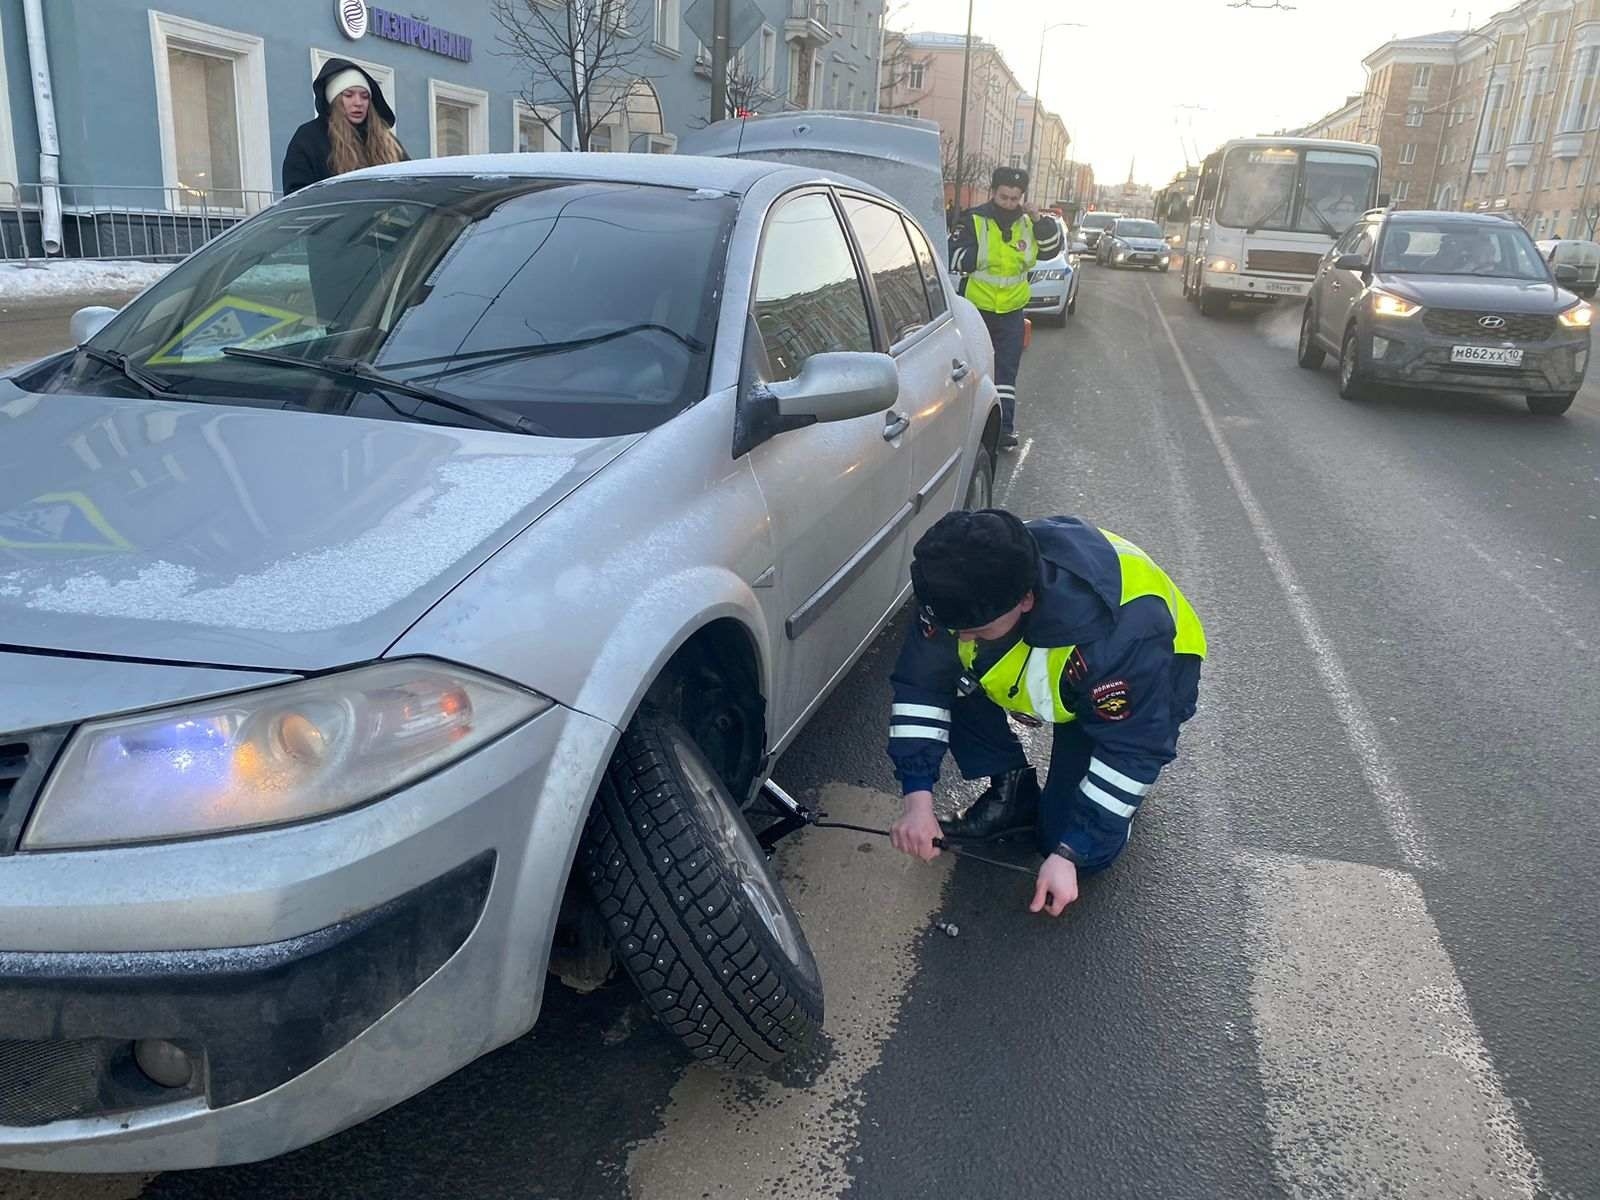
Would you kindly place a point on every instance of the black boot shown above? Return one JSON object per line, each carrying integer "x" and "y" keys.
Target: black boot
{"x": 1010, "y": 806}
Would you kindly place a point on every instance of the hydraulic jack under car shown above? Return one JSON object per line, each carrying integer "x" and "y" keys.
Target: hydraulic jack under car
{"x": 792, "y": 815}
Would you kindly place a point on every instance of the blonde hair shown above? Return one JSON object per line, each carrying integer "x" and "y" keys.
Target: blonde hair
{"x": 350, "y": 152}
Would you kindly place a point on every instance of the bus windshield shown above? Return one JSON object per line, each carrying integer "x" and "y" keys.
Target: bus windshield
{"x": 1289, "y": 189}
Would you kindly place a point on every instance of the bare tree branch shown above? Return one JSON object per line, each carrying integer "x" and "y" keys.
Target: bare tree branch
{"x": 580, "y": 58}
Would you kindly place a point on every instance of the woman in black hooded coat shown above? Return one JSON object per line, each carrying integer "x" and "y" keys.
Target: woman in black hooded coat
{"x": 353, "y": 128}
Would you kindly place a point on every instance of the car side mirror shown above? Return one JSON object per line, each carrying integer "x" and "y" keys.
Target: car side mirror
{"x": 838, "y": 387}
{"x": 1566, "y": 275}
{"x": 87, "y": 322}
{"x": 1350, "y": 262}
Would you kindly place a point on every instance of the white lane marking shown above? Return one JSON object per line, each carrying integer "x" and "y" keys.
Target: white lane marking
{"x": 1016, "y": 469}
{"x": 1362, "y": 734}
{"x": 1377, "y": 1080}
{"x": 865, "y": 915}
{"x": 1527, "y": 594}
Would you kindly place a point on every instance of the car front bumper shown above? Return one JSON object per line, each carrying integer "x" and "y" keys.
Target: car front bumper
{"x": 316, "y": 974}
{"x": 1406, "y": 355}
{"x": 1048, "y": 297}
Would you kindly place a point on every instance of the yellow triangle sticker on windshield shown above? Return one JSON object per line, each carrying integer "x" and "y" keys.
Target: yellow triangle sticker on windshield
{"x": 59, "y": 521}
{"x": 230, "y": 321}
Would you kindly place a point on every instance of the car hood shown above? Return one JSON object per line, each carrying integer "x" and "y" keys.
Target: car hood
{"x": 259, "y": 538}
{"x": 1478, "y": 293}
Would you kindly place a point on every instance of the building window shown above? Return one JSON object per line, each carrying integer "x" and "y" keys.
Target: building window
{"x": 459, "y": 119}
{"x": 1408, "y": 153}
{"x": 769, "y": 60}
{"x": 601, "y": 140}
{"x": 533, "y": 136}
{"x": 1400, "y": 190}
{"x": 850, "y": 97}
{"x": 1423, "y": 75}
{"x": 663, "y": 143}
{"x": 8, "y": 149}
{"x": 1413, "y": 114}
{"x": 913, "y": 113}
{"x": 211, "y": 88}
{"x": 667, "y": 24}
{"x": 918, "y": 73}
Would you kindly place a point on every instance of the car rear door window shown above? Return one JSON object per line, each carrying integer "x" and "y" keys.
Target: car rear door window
{"x": 809, "y": 298}
{"x": 892, "y": 264}
{"x": 930, "y": 271}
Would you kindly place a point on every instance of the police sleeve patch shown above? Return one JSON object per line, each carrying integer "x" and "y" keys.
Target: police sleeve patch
{"x": 1112, "y": 700}
{"x": 1077, "y": 670}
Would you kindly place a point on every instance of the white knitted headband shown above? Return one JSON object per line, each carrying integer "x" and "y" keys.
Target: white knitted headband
{"x": 343, "y": 81}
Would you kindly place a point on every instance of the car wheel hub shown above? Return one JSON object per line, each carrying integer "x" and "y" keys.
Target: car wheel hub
{"x": 741, "y": 854}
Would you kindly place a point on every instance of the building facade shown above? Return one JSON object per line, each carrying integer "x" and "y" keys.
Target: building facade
{"x": 1343, "y": 124}
{"x": 922, "y": 78}
{"x": 198, "y": 98}
{"x": 1503, "y": 118}
{"x": 1045, "y": 146}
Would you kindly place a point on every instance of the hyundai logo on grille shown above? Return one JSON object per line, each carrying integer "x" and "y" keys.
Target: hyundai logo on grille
{"x": 1492, "y": 322}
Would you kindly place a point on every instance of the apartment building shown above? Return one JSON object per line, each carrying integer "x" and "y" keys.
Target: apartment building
{"x": 1048, "y": 144}
{"x": 1504, "y": 117}
{"x": 922, "y": 78}
{"x": 1343, "y": 124}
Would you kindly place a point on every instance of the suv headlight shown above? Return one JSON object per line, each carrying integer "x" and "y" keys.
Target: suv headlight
{"x": 1387, "y": 304}
{"x": 1579, "y": 316}
{"x": 271, "y": 756}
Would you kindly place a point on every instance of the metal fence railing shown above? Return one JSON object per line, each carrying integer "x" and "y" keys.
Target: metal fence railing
{"x": 111, "y": 221}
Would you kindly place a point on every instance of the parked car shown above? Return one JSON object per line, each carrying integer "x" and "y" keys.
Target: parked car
{"x": 424, "y": 575}
{"x": 1133, "y": 242}
{"x": 1092, "y": 225}
{"x": 1571, "y": 252}
{"x": 1451, "y": 301}
{"x": 1053, "y": 286}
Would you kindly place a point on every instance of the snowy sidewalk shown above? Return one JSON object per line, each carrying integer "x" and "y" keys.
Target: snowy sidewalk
{"x": 36, "y": 304}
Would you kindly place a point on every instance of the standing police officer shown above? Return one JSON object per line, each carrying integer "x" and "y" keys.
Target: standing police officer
{"x": 995, "y": 246}
{"x": 1050, "y": 622}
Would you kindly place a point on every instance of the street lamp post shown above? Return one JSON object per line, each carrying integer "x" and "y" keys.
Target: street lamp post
{"x": 1038, "y": 79}
{"x": 961, "y": 133}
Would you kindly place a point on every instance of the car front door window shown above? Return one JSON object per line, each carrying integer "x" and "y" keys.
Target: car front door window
{"x": 809, "y": 298}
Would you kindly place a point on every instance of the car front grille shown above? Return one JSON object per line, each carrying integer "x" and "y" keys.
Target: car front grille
{"x": 1460, "y": 323}
{"x": 1282, "y": 262}
{"x": 24, "y": 759}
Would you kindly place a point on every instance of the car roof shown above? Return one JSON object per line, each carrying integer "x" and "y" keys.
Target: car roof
{"x": 1434, "y": 217}
{"x": 735, "y": 175}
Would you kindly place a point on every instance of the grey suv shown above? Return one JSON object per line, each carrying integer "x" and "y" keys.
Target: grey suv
{"x": 412, "y": 591}
{"x": 1455, "y": 302}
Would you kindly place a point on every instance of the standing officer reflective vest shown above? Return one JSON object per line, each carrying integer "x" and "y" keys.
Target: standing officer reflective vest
{"x": 995, "y": 246}
{"x": 1050, "y": 622}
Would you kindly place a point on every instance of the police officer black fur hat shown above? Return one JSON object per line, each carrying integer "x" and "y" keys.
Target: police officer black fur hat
{"x": 972, "y": 567}
{"x": 1008, "y": 177}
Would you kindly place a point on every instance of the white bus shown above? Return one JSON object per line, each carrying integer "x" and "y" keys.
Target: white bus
{"x": 1267, "y": 210}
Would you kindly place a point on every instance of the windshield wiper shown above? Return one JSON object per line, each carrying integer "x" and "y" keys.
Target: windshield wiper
{"x": 360, "y": 372}
{"x": 1261, "y": 220}
{"x": 152, "y": 383}
{"x": 506, "y": 354}
{"x": 1327, "y": 225}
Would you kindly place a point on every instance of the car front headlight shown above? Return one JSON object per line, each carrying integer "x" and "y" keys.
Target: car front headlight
{"x": 272, "y": 756}
{"x": 1225, "y": 265}
{"x": 1579, "y": 316}
{"x": 1387, "y": 304}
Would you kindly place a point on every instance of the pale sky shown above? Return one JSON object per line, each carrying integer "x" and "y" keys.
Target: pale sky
{"x": 1122, "y": 85}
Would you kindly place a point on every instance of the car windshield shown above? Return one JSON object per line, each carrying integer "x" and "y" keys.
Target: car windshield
{"x": 1294, "y": 190}
{"x": 582, "y": 308}
{"x": 1503, "y": 250}
{"x": 1138, "y": 229}
{"x": 1099, "y": 221}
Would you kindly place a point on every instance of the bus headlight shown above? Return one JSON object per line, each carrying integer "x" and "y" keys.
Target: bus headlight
{"x": 1387, "y": 304}
{"x": 1226, "y": 265}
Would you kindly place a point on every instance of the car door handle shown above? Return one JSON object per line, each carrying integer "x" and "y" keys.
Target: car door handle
{"x": 894, "y": 425}
{"x": 959, "y": 370}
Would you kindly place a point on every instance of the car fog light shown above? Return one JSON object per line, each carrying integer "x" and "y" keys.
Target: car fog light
{"x": 1380, "y": 347}
{"x": 165, "y": 1064}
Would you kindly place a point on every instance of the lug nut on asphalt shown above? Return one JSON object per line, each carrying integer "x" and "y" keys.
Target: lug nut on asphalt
{"x": 948, "y": 928}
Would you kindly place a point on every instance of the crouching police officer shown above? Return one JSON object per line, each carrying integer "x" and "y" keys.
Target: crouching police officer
{"x": 1050, "y": 622}
{"x": 995, "y": 246}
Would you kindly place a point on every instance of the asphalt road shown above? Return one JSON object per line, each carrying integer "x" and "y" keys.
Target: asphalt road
{"x": 1352, "y": 949}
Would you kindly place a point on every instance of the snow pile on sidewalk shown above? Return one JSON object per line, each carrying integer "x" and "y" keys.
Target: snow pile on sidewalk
{"x": 76, "y": 277}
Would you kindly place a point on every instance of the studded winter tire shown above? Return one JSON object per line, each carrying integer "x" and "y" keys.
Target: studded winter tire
{"x": 693, "y": 909}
